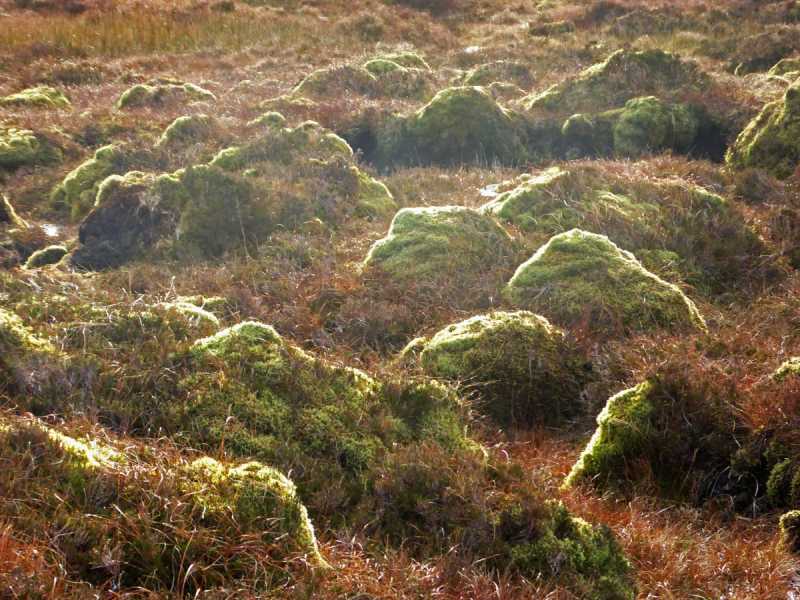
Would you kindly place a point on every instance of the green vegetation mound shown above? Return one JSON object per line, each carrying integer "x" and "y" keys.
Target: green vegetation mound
{"x": 788, "y": 369}
{"x": 460, "y": 124}
{"x": 22, "y": 147}
{"x": 142, "y": 95}
{"x": 46, "y": 256}
{"x": 672, "y": 432}
{"x": 231, "y": 204}
{"x": 624, "y": 75}
{"x": 771, "y": 141}
{"x": 78, "y": 191}
{"x": 433, "y": 502}
{"x": 580, "y": 277}
{"x": 37, "y": 97}
{"x": 173, "y": 511}
{"x": 677, "y": 229}
{"x": 279, "y": 404}
{"x": 426, "y": 246}
{"x": 523, "y": 369}
{"x": 186, "y": 130}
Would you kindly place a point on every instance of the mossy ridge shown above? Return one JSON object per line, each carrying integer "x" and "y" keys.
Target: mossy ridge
{"x": 509, "y": 71}
{"x": 625, "y": 74}
{"x": 665, "y": 222}
{"x": 522, "y": 367}
{"x": 770, "y": 140}
{"x": 459, "y": 124}
{"x": 49, "y": 255}
{"x": 671, "y": 432}
{"x": 579, "y": 276}
{"x": 186, "y": 130}
{"x": 78, "y": 190}
{"x": 433, "y": 502}
{"x": 282, "y": 405}
{"x": 426, "y": 245}
{"x": 22, "y": 147}
{"x": 41, "y": 96}
{"x": 219, "y": 502}
{"x": 143, "y": 94}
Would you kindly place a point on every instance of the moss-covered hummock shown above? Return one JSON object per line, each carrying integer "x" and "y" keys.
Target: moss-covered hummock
{"x": 460, "y": 124}
{"x": 431, "y": 502}
{"x": 37, "y": 97}
{"x": 581, "y": 277}
{"x": 255, "y": 492}
{"x": 511, "y": 71}
{"x": 22, "y": 147}
{"x": 789, "y": 528}
{"x": 220, "y": 504}
{"x": 269, "y": 399}
{"x": 185, "y": 130}
{"x": 788, "y": 369}
{"x": 522, "y": 367}
{"x": 332, "y": 80}
{"x": 624, "y": 75}
{"x": 428, "y": 245}
{"x": 670, "y": 432}
{"x": 9, "y": 216}
{"x": 46, "y": 256}
{"x": 142, "y": 95}
{"x": 771, "y": 140}
{"x": 129, "y": 216}
{"x": 78, "y": 191}
{"x": 647, "y": 125}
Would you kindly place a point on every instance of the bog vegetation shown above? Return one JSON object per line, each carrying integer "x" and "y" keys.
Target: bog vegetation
{"x": 399, "y": 299}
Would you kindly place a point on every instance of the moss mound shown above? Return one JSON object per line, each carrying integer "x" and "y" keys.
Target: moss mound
{"x": 673, "y": 432}
{"x": 9, "y": 216}
{"x": 321, "y": 421}
{"x": 523, "y": 369}
{"x": 37, "y": 97}
{"x": 786, "y": 67}
{"x": 499, "y": 71}
{"x": 677, "y": 229}
{"x": 251, "y": 506}
{"x": 231, "y": 204}
{"x": 644, "y": 125}
{"x": 22, "y": 147}
{"x": 338, "y": 79}
{"x": 435, "y": 502}
{"x": 460, "y": 124}
{"x": 789, "y": 530}
{"x": 142, "y": 95}
{"x": 186, "y": 130}
{"x": 770, "y": 140}
{"x": 581, "y": 277}
{"x": 128, "y": 217}
{"x": 78, "y": 191}
{"x": 46, "y": 256}
{"x": 424, "y": 247}
{"x": 624, "y": 75}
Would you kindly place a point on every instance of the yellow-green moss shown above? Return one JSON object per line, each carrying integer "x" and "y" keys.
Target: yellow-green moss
{"x": 429, "y": 244}
{"x": 374, "y": 199}
{"x": 42, "y": 96}
{"x": 78, "y": 191}
{"x": 9, "y": 216}
{"x": 148, "y": 95}
{"x": 788, "y": 369}
{"x": 254, "y": 492}
{"x": 21, "y": 147}
{"x": 789, "y": 530}
{"x": 771, "y": 140}
{"x": 460, "y": 124}
{"x": 521, "y": 366}
{"x": 625, "y": 74}
{"x": 46, "y": 256}
{"x": 579, "y": 276}
{"x": 185, "y": 130}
